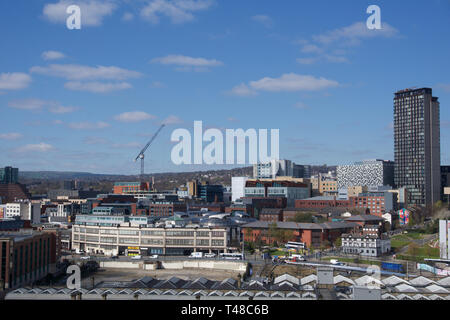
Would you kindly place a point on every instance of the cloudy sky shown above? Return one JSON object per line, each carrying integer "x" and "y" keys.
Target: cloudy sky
{"x": 89, "y": 99}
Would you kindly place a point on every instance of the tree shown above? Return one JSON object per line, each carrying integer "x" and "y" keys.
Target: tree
{"x": 303, "y": 217}
{"x": 273, "y": 231}
{"x": 338, "y": 242}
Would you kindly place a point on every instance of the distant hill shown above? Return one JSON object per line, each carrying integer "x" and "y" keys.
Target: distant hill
{"x": 41, "y": 181}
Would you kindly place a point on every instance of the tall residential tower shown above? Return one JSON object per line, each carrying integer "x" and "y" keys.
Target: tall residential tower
{"x": 417, "y": 145}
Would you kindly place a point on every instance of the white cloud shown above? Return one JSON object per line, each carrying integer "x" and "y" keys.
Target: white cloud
{"x": 178, "y": 11}
{"x": 172, "y": 120}
{"x": 311, "y": 48}
{"x": 354, "y": 33}
{"x": 92, "y": 11}
{"x": 243, "y": 90}
{"x": 293, "y": 82}
{"x": 263, "y": 19}
{"x": 301, "y": 105}
{"x": 323, "y": 46}
{"x": 29, "y": 104}
{"x": 14, "y": 81}
{"x": 80, "y": 72}
{"x": 157, "y": 84}
{"x": 307, "y": 60}
{"x": 96, "y": 87}
{"x": 10, "y": 136}
{"x": 94, "y": 140}
{"x": 38, "y": 104}
{"x": 52, "y": 55}
{"x": 40, "y": 147}
{"x": 61, "y": 109}
{"x": 185, "y": 61}
{"x": 131, "y": 145}
{"x": 88, "y": 125}
{"x": 127, "y": 16}
{"x": 134, "y": 116}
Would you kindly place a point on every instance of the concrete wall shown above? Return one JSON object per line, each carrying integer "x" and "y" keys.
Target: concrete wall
{"x": 178, "y": 265}
{"x": 120, "y": 264}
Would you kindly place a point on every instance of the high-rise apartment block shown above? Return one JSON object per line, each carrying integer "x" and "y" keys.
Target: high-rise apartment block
{"x": 417, "y": 145}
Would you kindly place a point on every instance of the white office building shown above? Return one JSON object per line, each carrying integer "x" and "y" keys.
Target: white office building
{"x": 238, "y": 187}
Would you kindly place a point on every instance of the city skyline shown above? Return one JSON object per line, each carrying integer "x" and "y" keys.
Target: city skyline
{"x": 89, "y": 99}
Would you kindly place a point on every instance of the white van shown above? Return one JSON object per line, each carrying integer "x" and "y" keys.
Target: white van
{"x": 196, "y": 255}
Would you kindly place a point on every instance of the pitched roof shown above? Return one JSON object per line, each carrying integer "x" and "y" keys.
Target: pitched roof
{"x": 421, "y": 281}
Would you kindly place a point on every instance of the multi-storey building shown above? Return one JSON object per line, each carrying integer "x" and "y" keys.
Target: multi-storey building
{"x": 9, "y": 175}
{"x": 287, "y": 189}
{"x": 277, "y": 168}
{"x": 237, "y": 187}
{"x": 165, "y": 208}
{"x": 378, "y": 203}
{"x": 26, "y": 210}
{"x": 445, "y": 181}
{"x": 417, "y": 145}
{"x": 131, "y": 187}
{"x": 370, "y": 245}
{"x": 210, "y": 193}
{"x": 124, "y": 234}
{"x": 366, "y": 173}
{"x": 25, "y": 256}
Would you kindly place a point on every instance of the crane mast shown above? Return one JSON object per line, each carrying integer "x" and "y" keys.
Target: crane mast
{"x": 141, "y": 154}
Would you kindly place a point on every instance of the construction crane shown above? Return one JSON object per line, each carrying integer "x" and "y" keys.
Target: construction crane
{"x": 141, "y": 154}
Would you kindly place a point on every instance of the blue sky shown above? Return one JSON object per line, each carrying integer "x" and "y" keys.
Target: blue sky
{"x": 89, "y": 99}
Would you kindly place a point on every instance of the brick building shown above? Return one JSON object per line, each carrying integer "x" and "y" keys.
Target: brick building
{"x": 271, "y": 215}
{"x": 13, "y": 191}
{"x": 25, "y": 256}
{"x": 312, "y": 234}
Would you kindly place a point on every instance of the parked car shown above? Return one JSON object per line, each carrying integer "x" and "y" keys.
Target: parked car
{"x": 115, "y": 257}
{"x": 85, "y": 258}
{"x": 336, "y": 262}
{"x": 210, "y": 255}
{"x": 136, "y": 257}
{"x": 154, "y": 256}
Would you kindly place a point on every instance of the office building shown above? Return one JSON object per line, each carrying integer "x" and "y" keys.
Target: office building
{"x": 268, "y": 189}
{"x": 210, "y": 193}
{"x": 277, "y": 168}
{"x": 131, "y": 187}
{"x": 9, "y": 175}
{"x": 366, "y": 173}
{"x": 378, "y": 203}
{"x": 137, "y": 235}
{"x": 237, "y": 187}
{"x": 417, "y": 145}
